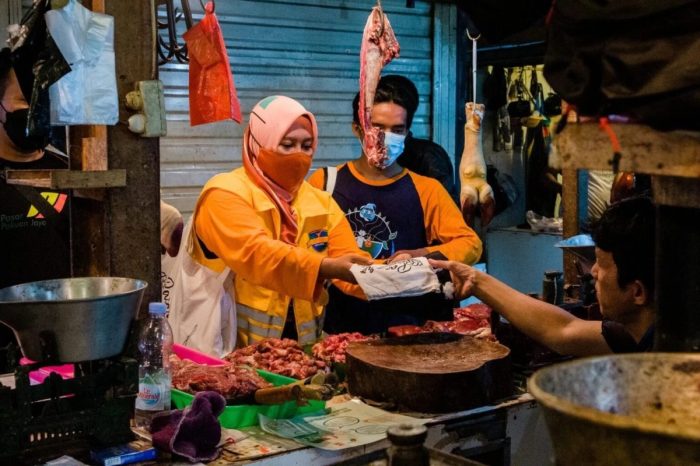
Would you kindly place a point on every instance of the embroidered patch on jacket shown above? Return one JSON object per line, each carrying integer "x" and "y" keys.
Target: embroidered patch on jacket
{"x": 318, "y": 239}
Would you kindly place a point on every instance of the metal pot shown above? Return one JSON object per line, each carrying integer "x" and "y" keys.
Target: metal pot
{"x": 635, "y": 409}
{"x": 73, "y": 319}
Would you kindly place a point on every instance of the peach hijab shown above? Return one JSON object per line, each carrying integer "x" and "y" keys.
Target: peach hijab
{"x": 269, "y": 121}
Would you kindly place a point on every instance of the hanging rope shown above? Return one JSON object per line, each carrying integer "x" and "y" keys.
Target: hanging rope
{"x": 614, "y": 142}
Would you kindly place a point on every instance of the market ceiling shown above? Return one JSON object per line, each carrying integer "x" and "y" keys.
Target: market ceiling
{"x": 506, "y": 21}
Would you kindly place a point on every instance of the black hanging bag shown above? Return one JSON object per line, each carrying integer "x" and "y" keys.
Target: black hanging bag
{"x": 639, "y": 58}
{"x": 521, "y": 107}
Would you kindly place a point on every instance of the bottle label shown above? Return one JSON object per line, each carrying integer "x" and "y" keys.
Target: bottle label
{"x": 151, "y": 396}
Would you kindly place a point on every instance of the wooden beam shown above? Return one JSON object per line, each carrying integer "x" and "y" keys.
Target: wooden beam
{"x": 675, "y": 191}
{"x": 67, "y": 179}
{"x": 644, "y": 150}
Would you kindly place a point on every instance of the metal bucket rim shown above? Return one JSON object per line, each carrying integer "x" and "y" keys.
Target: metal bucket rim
{"x": 619, "y": 421}
{"x": 140, "y": 285}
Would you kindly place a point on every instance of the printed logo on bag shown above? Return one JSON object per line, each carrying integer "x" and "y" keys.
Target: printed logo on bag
{"x": 166, "y": 283}
{"x": 372, "y": 231}
{"x": 403, "y": 266}
{"x": 318, "y": 239}
{"x": 57, "y": 200}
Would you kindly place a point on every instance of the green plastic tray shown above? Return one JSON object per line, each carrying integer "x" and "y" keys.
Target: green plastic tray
{"x": 238, "y": 416}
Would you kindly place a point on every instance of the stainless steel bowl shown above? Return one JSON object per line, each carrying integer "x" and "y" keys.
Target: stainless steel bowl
{"x": 632, "y": 409}
{"x": 73, "y": 319}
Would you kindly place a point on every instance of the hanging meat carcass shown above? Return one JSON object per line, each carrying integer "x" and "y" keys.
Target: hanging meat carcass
{"x": 379, "y": 47}
{"x": 475, "y": 192}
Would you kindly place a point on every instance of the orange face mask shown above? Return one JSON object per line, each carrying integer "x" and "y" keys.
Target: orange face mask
{"x": 287, "y": 170}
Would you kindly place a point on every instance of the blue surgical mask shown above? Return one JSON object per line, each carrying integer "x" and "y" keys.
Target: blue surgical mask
{"x": 394, "y": 144}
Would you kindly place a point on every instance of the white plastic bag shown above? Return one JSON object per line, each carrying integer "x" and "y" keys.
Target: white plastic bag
{"x": 411, "y": 277}
{"x": 88, "y": 94}
{"x": 201, "y": 304}
{"x": 543, "y": 224}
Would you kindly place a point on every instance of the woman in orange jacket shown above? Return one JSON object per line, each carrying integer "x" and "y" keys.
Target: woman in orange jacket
{"x": 280, "y": 237}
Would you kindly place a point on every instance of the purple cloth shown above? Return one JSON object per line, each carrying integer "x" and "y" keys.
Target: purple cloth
{"x": 193, "y": 432}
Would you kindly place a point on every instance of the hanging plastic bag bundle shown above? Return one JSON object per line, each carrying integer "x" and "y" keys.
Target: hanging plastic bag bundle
{"x": 38, "y": 64}
{"x": 88, "y": 94}
{"x": 212, "y": 92}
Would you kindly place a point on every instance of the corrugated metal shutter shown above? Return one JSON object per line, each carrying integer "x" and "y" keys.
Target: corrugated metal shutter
{"x": 305, "y": 49}
{"x": 11, "y": 12}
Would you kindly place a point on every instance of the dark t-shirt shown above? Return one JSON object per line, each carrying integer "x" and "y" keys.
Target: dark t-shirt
{"x": 429, "y": 159}
{"x": 620, "y": 341}
{"x": 32, "y": 246}
{"x": 384, "y": 219}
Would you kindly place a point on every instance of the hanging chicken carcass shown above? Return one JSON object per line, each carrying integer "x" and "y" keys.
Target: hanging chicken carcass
{"x": 379, "y": 47}
{"x": 475, "y": 192}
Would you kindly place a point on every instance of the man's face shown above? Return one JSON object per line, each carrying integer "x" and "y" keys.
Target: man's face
{"x": 616, "y": 303}
{"x": 387, "y": 116}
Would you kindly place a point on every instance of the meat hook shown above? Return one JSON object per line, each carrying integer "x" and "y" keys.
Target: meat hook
{"x": 473, "y": 39}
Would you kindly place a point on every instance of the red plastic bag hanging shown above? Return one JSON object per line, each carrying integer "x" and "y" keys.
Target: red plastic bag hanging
{"x": 212, "y": 92}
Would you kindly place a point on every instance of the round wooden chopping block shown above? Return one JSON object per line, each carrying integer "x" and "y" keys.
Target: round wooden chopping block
{"x": 430, "y": 372}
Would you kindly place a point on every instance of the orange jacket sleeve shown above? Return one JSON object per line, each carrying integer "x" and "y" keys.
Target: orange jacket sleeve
{"x": 233, "y": 230}
{"x": 346, "y": 245}
{"x": 444, "y": 223}
{"x": 341, "y": 241}
{"x": 317, "y": 179}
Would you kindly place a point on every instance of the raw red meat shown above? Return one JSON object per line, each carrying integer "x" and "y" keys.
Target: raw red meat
{"x": 476, "y": 311}
{"x": 332, "y": 348}
{"x": 434, "y": 326}
{"x": 230, "y": 381}
{"x": 379, "y": 47}
{"x": 401, "y": 330}
{"x": 281, "y": 356}
{"x": 475, "y": 328}
{"x": 474, "y": 320}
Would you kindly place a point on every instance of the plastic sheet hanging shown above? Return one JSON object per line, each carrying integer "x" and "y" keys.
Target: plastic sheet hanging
{"x": 38, "y": 63}
{"x": 88, "y": 94}
{"x": 212, "y": 91}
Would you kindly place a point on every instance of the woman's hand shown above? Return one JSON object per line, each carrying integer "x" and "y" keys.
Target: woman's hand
{"x": 398, "y": 257}
{"x": 463, "y": 276}
{"x": 404, "y": 254}
{"x": 339, "y": 267}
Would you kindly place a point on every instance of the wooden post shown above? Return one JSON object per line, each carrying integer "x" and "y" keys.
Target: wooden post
{"x": 569, "y": 200}
{"x": 677, "y": 263}
{"x": 133, "y": 212}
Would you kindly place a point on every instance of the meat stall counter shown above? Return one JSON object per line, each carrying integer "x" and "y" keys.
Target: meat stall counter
{"x": 510, "y": 432}
{"x": 468, "y": 403}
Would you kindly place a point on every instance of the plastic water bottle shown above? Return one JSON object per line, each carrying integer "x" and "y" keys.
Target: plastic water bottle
{"x": 155, "y": 345}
